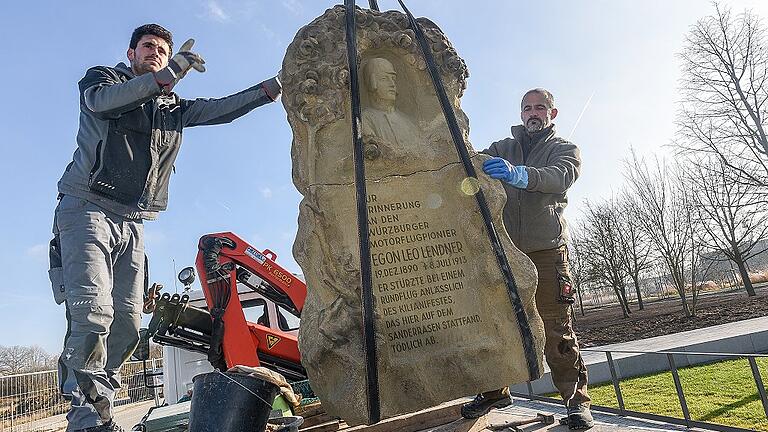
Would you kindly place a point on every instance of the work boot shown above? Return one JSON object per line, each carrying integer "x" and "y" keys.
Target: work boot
{"x": 482, "y": 405}
{"x": 106, "y": 427}
{"x": 579, "y": 417}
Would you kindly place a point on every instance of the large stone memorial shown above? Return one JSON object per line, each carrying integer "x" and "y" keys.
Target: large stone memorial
{"x": 445, "y": 324}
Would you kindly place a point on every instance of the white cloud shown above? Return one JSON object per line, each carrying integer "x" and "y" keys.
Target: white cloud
{"x": 249, "y": 11}
{"x": 17, "y": 299}
{"x": 256, "y": 241}
{"x": 38, "y": 252}
{"x": 270, "y": 35}
{"x": 292, "y": 5}
{"x": 154, "y": 236}
{"x": 224, "y": 206}
{"x": 215, "y": 12}
{"x": 266, "y": 192}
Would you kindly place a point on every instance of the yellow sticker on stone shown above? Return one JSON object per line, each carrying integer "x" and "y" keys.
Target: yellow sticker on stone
{"x": 470, "y": 186}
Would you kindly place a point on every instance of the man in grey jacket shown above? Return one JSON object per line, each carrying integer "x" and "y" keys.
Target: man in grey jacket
{"x": 131, "y": 124}
{"x": 536, "y": 168}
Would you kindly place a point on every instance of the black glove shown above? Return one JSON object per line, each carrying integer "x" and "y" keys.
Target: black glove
{"x": 178, "y": 66}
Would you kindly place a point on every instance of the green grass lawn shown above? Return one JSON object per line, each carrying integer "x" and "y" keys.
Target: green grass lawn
{"x": 722, "y": 393}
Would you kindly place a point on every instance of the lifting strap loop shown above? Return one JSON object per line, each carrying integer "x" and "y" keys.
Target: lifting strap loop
{"x": 529, "y": 345}
{"x": 369, "y": 328}
{"x": 220, "y": 290}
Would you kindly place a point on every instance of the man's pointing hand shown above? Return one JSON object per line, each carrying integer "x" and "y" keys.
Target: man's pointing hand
{"x": 179, "y": 65}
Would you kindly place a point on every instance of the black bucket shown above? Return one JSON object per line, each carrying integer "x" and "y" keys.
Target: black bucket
{"x": 228, "y": 402}
{"x": 287, "y": 424}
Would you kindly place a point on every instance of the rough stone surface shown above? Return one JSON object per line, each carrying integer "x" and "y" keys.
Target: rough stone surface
{"x": 445, "y": 326}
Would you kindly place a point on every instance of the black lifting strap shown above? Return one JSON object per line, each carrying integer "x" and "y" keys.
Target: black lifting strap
{"x": 221, "y": 292}
{"x": 369, "y": 327}
{"x": 529, "y": 345}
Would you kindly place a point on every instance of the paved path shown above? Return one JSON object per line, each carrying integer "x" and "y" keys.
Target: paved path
{"x": 523, "y": 409}
{"x": 126, "y": 416}
{"x": 754, "y": 328}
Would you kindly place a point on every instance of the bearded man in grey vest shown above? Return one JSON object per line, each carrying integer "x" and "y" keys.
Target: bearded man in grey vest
{"x": 536, "y": 168}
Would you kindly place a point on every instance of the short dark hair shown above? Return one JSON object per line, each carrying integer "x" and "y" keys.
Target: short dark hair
{"x": 544, "y": 92}
{"x": 151, "y": 29}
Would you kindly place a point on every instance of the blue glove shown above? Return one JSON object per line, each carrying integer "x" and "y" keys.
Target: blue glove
{"x": 499, "y": 169}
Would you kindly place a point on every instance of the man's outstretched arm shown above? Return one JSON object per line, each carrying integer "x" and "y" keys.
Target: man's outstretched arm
{"x": 201, "y": 112}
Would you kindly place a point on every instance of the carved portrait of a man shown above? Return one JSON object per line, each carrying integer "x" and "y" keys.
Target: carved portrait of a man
{"x": 383, "y": 123}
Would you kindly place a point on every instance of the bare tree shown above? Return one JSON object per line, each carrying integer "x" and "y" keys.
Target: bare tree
{"x": 605, "y": 261}
{"x": 664, "y": 212}
{"x": 155, "y": 351}
{"x": 20, "y": 359}
{"x": 699, "y": 268}
{"x": 12, "y": 359}
{"x": 576, "y": 259}
{"x": 733, "y": 221}
{"x": 636, "y": 246}
{"x": 725, "y": 88}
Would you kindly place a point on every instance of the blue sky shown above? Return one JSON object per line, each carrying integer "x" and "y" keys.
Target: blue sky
{"x": 618, "y": 55}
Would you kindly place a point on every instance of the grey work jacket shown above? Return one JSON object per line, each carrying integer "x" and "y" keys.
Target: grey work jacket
{"x": 533, "y": 217}
{"x": 130, "y": 134}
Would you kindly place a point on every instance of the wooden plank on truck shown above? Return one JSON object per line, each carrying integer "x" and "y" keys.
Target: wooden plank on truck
{"x": 420, "y": 420}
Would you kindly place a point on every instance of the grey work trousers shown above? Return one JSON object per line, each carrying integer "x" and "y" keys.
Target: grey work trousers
{"x": 102, "y": 258}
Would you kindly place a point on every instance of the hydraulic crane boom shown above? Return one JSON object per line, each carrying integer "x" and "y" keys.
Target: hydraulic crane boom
{"x": 223, "y": 262}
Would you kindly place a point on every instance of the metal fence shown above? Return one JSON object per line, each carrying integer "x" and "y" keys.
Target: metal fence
{"x": 27, "y": 398}
{"x": 687, "y": 420}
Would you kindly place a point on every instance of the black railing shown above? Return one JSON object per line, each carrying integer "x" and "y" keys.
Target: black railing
{"x": 670, "y": 355}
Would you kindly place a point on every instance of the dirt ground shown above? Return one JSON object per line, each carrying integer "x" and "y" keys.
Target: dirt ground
{"x": 606, "y": 325}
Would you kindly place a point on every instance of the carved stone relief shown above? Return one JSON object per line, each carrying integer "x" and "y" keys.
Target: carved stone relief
{"x": 442, "y": 310}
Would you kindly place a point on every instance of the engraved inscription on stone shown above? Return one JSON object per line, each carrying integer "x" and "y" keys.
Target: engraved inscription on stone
{"x": 418, "y": 274}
